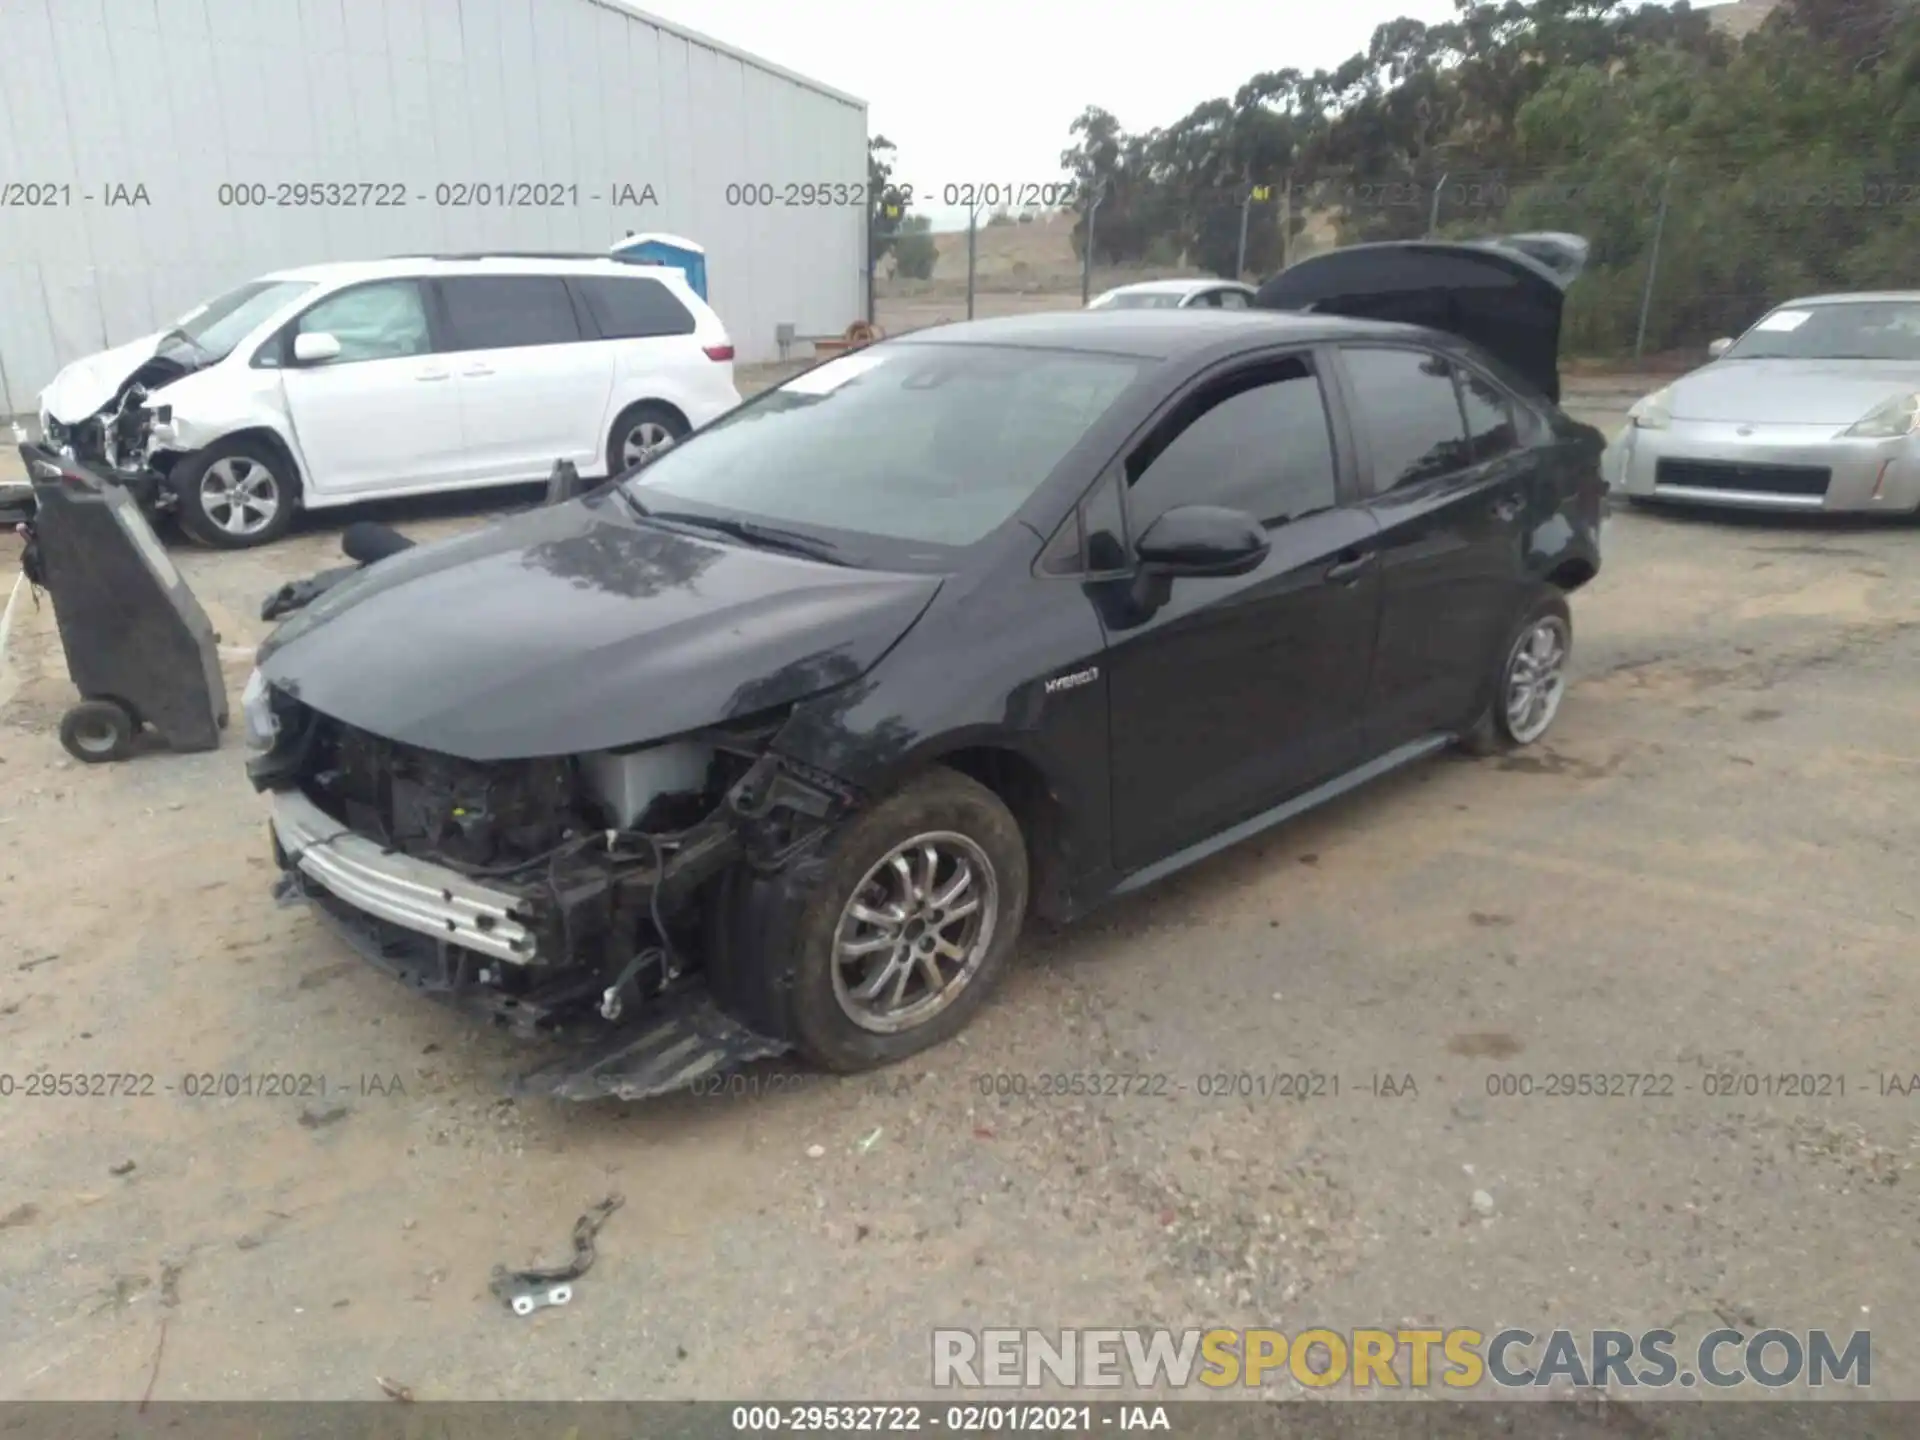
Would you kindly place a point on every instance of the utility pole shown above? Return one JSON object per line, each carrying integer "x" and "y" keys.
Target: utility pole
{"x": 1086, "y": 256}
{"x": 1653, "y": 260}
{"x": 1258, "y": 192}
{"x": 1433, "y": 216}
{"x": 973, "y": 217}
{"x": 1286, "y": 224}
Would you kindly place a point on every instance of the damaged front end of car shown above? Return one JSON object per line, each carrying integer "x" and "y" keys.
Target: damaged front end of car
{"x": 567, "y": 900}
{"x": 103, "y": 413}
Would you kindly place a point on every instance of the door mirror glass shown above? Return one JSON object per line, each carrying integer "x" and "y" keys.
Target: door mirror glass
{"x": 315, "y": 347}
{"x": 1203, "y": 540}
{"x": 1719, "y": 348}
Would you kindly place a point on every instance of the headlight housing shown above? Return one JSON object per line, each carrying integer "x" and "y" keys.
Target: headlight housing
{"x": 1896, "y": 416}
{"x": 1653, "y": 412}
{"x": 256, "y": 708}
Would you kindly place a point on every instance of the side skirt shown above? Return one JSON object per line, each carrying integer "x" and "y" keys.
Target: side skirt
{"x": 1311, "y": 800}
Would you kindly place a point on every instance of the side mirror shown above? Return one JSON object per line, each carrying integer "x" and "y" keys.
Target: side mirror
{"x": 1719, "y": 348}
{"x": 1203, "y": 540}
{"x": 315, "y": 347}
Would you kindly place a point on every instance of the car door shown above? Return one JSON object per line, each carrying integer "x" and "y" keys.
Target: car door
{"x": 1449, "y": 499}
{"x": 533, "y": 382}
{"x": 383, "y": 413}
{"x": 1228, "y": 696}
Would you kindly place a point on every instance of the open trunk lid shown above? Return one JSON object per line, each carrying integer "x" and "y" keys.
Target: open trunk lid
{"x": 1505, "y": 294}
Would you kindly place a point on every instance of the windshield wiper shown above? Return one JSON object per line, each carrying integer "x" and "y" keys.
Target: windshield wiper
{"x": 753, "y": 532}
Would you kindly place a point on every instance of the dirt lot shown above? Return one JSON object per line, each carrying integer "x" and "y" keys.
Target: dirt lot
{"x": 1706, "y": 868}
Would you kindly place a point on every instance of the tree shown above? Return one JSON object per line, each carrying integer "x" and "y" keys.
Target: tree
{"x": 914, "y": 249}
{"x": 888, "y": 203}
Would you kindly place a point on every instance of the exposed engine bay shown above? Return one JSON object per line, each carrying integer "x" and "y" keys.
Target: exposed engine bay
{"x": 592, "y": 870}
{"x": 117, "y": 437}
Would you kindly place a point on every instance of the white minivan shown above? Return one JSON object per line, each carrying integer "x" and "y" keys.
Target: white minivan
{"x": 334, "y": 384}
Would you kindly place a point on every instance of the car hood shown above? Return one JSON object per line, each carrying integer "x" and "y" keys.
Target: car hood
{"x": 1504, "y": 294}
{"x": 1790, "y": 392}
{"x": 88, "y": 384}
{"x": 577, "y": 627}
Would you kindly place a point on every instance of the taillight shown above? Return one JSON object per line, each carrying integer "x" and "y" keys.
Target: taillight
{"x": 719, "y": 352}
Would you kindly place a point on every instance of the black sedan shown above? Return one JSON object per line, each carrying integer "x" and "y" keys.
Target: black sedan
{"x": 775, "y": 742}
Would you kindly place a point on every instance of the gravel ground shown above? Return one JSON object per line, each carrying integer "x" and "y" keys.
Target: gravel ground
{"x": 1704, "y": 869}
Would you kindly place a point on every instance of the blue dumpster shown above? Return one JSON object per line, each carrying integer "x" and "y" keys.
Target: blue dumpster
{"x": 655, "y": 249}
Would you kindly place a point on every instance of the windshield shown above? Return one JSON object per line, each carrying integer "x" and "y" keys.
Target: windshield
{"x": 1849, "y": 330}
{"x": 930, "y": 444}
{"x": 1138, "y": 300}
{"x": 219, "y": 325}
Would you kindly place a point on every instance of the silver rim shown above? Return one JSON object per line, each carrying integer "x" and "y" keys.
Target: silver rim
{"x": 96, "y": 736}
{"x": 915, "y": 932}
{"x": 1536, "y": 678}
{"x": 240, "y": 495}
{"x": 642, "y": 440}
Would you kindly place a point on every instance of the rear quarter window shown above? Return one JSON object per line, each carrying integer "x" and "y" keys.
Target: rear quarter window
{"x": 633, "y": 308}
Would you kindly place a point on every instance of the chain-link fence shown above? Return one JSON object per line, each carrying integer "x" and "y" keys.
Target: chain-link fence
{"x": 1682, "y": 252}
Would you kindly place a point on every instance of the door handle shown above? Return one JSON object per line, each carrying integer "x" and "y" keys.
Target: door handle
{"x": 431, "y": 375}
{"x": 477, "y": 370}
{"x": 1349, "y": 567}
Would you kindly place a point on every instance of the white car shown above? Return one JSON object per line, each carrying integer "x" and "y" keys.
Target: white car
{"x": 1176, "y": 295}
{"x": 335, "y": 384}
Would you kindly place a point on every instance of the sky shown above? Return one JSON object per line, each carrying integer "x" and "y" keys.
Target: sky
{"x": 980, "y": 91}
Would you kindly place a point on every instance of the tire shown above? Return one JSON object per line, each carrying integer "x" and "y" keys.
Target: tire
{"x": 1499, "y": 727}
{"x": 829, "y": 1022}
{"x": 97, "y": 731}
{"x": 236, "y": 494}
{"x": 626, "y": 448}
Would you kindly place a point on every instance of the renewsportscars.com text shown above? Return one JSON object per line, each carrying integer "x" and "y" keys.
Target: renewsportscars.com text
{"x": 1458, "y": 1359}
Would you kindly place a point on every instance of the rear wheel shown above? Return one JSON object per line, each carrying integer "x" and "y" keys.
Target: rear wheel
{"x": 1531, "y": 681}
{"x": 641, "y": 432}
{"x": 911, "y": 924}
{"x": 235, "y": 494}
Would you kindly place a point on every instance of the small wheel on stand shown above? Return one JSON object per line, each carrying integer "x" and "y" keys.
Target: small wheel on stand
{"x": 96, "y": 731}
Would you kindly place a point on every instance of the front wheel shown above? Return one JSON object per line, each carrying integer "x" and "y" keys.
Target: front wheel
{"x": 911, "y": 924}
{"x": 1532, "y": 678}
{"x": 235, "y": 494}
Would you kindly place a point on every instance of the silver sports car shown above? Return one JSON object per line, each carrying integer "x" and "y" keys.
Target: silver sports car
{"x": 1817, "y": 407}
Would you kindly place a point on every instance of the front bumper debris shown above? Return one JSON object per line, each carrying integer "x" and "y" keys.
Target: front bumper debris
{"x": 678, "y": 1039}
{"x": 429, "y": 899}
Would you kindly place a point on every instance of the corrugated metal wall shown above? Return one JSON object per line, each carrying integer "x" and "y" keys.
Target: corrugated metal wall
{"x": 181, "y": 97}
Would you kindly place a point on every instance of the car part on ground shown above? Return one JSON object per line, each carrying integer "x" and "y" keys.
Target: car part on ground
{"x": 140, "y": 649}
{"x": 525, "y": 1291}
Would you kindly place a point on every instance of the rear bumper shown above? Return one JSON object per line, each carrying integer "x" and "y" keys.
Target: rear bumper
{"x": 1774, "y": 468}
{"x": 430, "y": 900}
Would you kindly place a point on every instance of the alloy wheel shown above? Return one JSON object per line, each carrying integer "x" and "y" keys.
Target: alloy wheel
{"x": 1536, "y": 678}
{"x": 915, "y": 932}
{"x": 240, "y": 495}
{"x": 642, "y": 441}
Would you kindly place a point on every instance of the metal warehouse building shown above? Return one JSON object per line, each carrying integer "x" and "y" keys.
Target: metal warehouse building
{"x": 157, "y": 152}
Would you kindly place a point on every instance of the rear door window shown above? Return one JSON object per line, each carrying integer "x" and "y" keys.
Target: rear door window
{"x": 1407, "y": 409}
{"x": 632, "y": 308}
{"x": 1490, "y": 424}
{"x": 501, "y": 312}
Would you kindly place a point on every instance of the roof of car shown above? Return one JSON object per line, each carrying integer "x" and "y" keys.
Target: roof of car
{"x": 1150, "y": 334}
{"x": 1843, "y": 297}
{"x": 478, "y": 262}
{"x": 1176, "y": 287}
